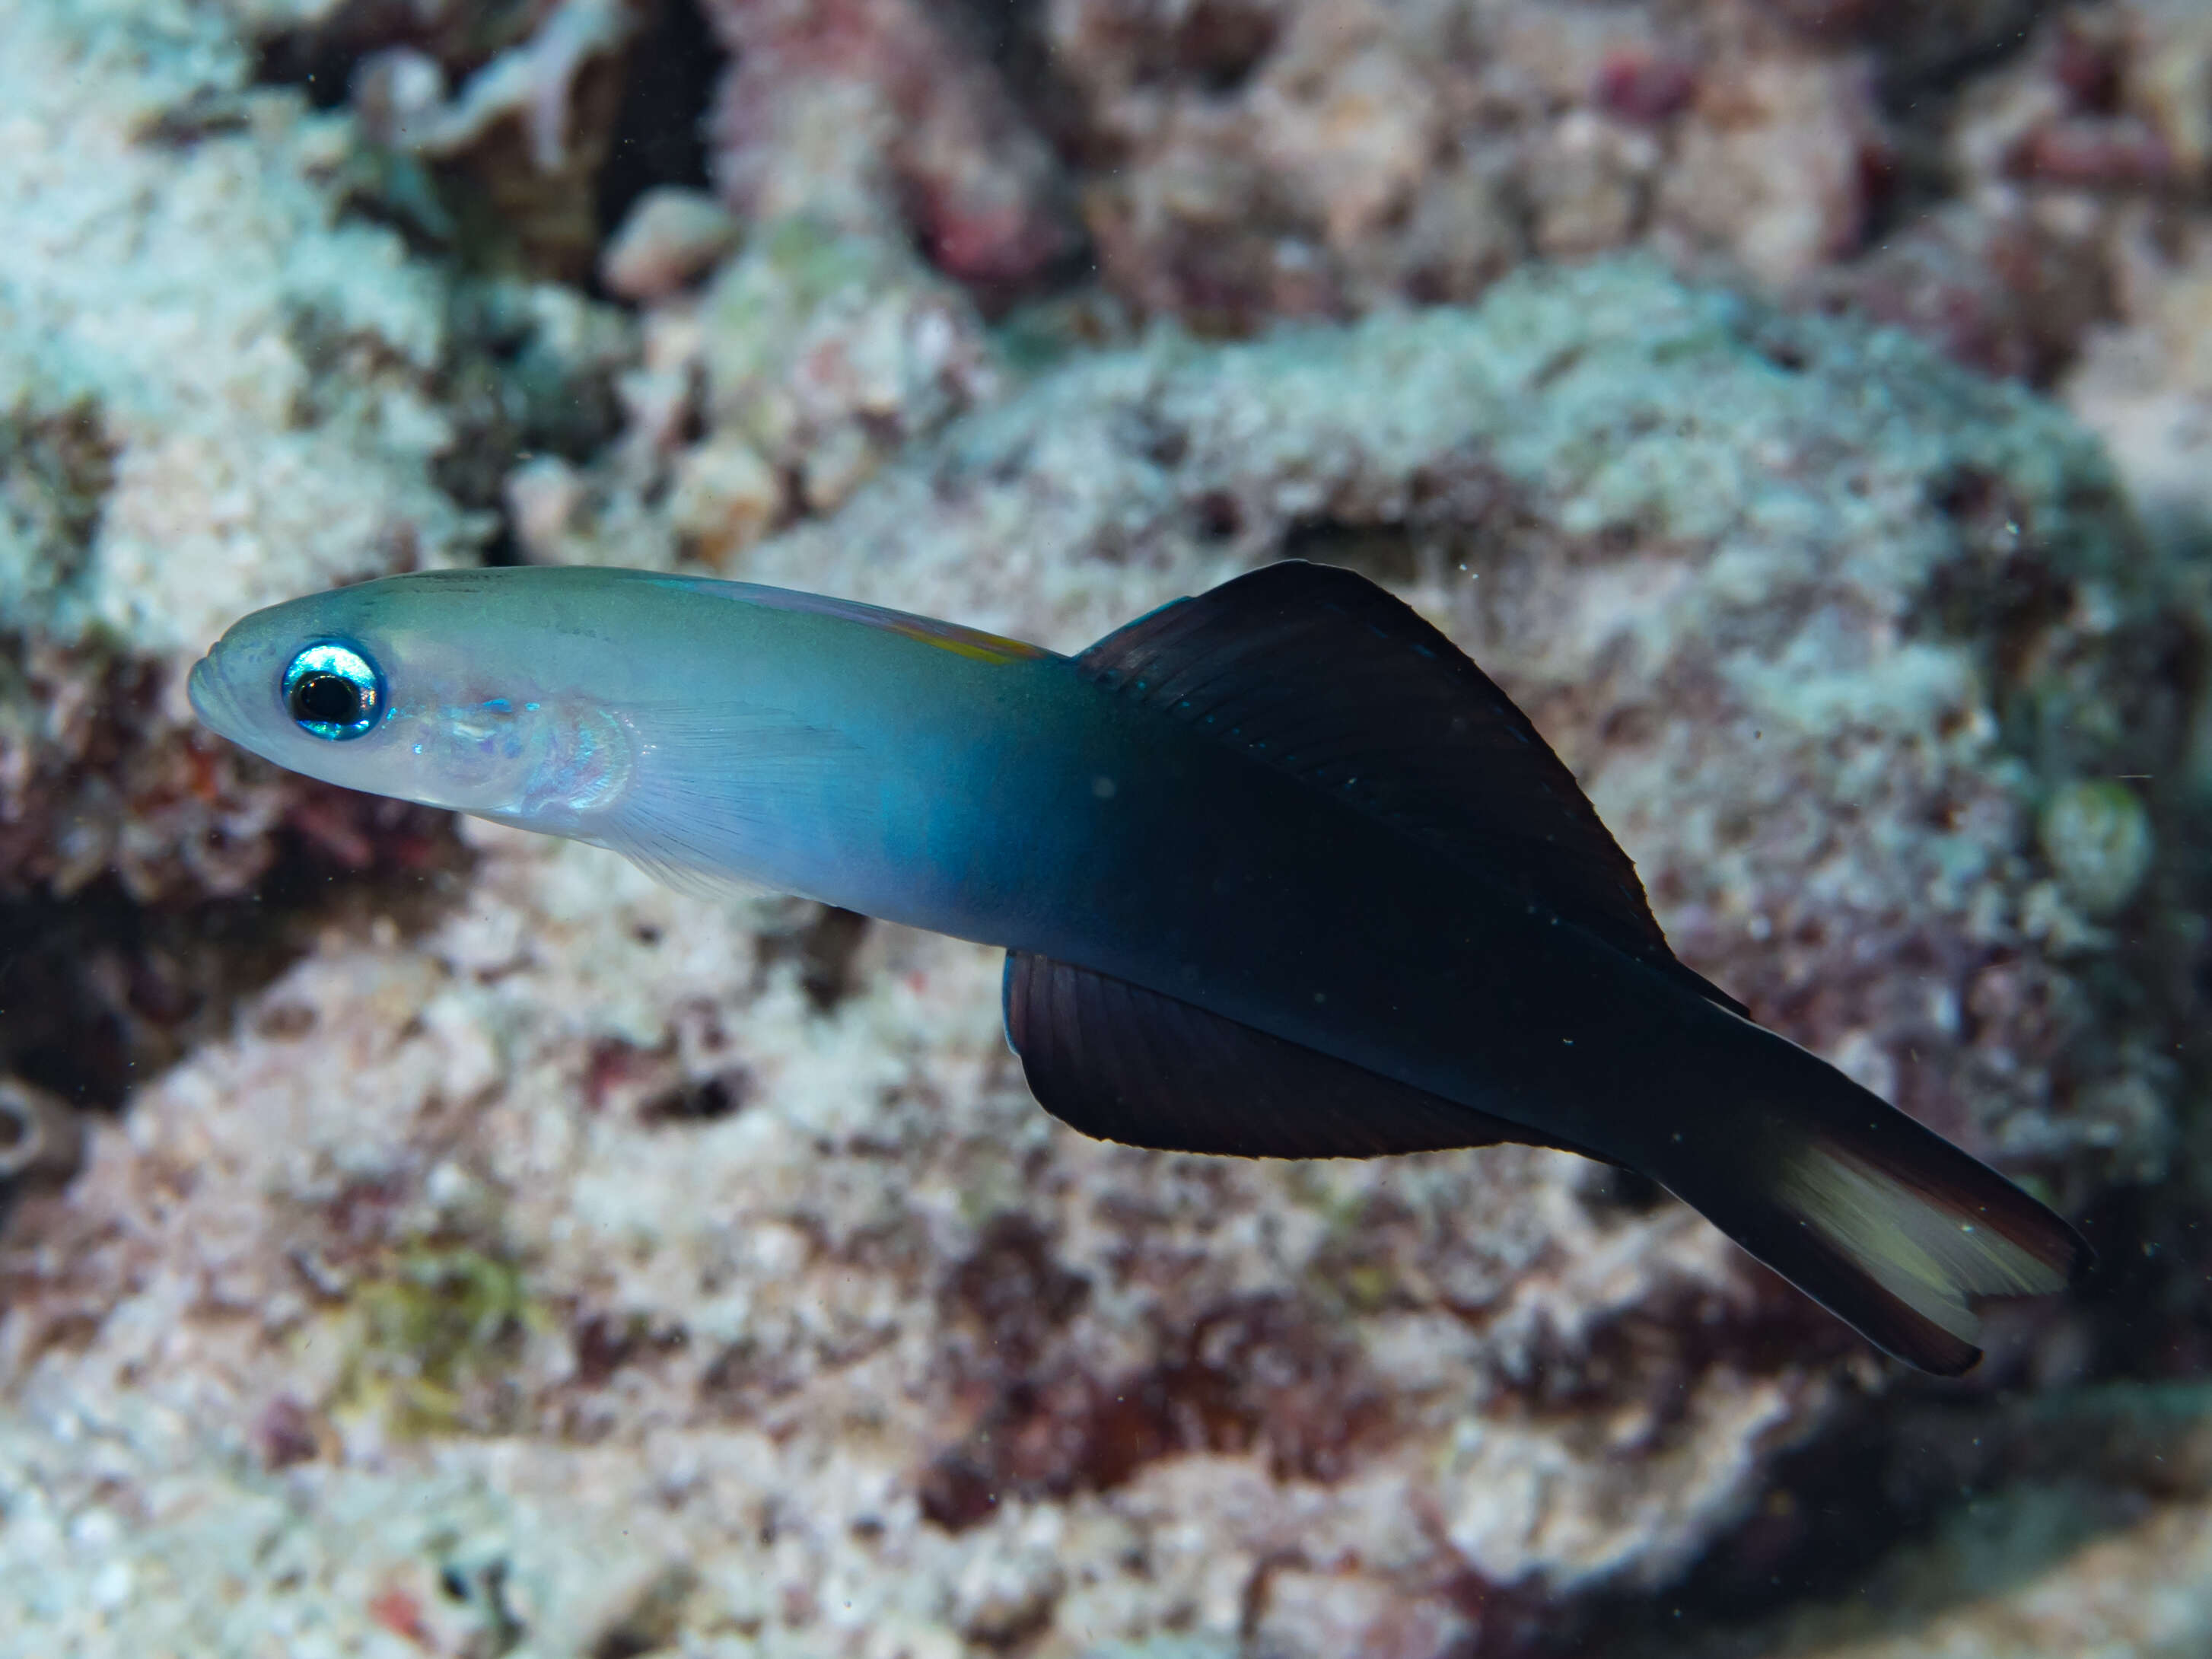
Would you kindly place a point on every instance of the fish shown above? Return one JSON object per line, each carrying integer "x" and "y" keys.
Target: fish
{"x": 1278, "y": 872}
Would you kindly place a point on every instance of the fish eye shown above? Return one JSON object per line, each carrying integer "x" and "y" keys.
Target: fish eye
{"x": 333, "y": 692}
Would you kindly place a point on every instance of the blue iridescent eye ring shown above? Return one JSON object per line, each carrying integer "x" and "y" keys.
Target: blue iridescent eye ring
{"x": 333, "y": 691}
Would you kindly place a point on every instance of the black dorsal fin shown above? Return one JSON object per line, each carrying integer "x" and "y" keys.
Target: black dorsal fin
{"x": 1121, "y": 1063}
{"x": 1322, "y": 673}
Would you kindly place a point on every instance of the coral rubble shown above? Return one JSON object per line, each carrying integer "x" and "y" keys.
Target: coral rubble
{"x": 588, "y": 1201}
{"x": 489, "y": 1252}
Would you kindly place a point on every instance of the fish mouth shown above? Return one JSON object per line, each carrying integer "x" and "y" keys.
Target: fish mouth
{"x": 210, "y": 699}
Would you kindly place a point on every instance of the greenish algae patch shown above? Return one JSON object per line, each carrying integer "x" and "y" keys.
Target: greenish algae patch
{"x": 440, "y": 1328}
{"x": 1346, "y": 1275}
{"x": 2098, "y": 837}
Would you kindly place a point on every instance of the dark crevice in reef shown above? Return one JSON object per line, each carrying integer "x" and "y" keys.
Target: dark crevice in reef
{"x": 320, "y": 58}
{"x": 1007, "y": 32}
{"x": 825, "y": 946}
{"x": 513, "y": 391}
{"x": 635, "y": 117}
{"x": 1825, "y": 1519}
{"x": 1842, "y": 1520}
{"x": 660, "y": 126}
{"x": 1921, "y": 51}
{"x": 1216, "y": 44}
{"x": 1829, "y": 1514}
{"x": 2145, "y": 1303}
{"x": 1939, "y": 69}
{"x": 98, "y": 992}
{"x": 318, "y": 61}
{"x": 1010, "y": 35}
{"x": 1384, "y": 552}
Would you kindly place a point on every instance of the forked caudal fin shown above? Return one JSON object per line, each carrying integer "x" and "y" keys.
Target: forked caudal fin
{"x": 1884, "y": 1223}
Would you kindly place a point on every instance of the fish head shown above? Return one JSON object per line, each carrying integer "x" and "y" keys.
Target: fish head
{"x": 417, "y": 688}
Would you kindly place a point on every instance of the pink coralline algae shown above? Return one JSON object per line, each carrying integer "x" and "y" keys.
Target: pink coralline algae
{"x": 884, "y": 112}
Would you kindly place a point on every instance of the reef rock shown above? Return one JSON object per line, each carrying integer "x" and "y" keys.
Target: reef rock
{"x": 582, "y": 1264}
{"x": 222, "y": 383}
{"x": 881, "y": 114}
{"x": 2088, "y": 1531}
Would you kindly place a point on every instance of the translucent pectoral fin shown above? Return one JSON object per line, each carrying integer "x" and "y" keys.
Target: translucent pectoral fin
{"x": 719, "y": 795}
{"x": 711, "y": 886}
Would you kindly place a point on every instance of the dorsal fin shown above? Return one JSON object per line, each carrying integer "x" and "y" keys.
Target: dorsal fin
{"x": 1327, "y": 676}
{"x": 1122, "y": 1063}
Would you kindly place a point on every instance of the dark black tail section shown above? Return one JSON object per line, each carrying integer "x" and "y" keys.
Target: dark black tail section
{"x": 1322, "y": 675}
{"x": 1883, "y": 1222}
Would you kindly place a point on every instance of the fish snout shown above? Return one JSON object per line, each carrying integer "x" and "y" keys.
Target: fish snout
{"x": 208, "y": 689}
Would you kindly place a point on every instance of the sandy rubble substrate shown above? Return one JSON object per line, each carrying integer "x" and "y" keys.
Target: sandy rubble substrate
{"x": 545, "y": 1269}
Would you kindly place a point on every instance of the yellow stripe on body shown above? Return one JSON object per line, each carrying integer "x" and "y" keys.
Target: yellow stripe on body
{"x": 966, "y": 641}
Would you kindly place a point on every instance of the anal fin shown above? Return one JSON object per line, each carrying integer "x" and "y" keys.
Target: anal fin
{"x": 1119, "y": 1063}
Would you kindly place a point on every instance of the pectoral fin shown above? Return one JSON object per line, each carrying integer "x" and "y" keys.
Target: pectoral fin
{"x": 711, "y": 782}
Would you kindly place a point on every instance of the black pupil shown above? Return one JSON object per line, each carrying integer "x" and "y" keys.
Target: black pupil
{"x": 327, "y": 699}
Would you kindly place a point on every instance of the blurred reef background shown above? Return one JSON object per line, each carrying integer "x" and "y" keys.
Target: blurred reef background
{"x": 424, "y": 1239}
